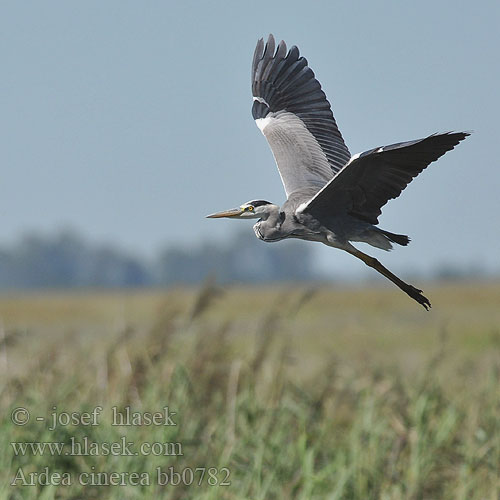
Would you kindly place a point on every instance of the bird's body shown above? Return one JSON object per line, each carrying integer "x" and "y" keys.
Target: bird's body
{"x": 332, "y": 197}
{"x": 334, "y": 230}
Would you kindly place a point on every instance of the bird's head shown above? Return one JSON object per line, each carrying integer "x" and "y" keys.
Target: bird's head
{"x": 255, "y": 209}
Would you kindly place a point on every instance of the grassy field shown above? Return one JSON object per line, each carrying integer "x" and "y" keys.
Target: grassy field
{"x": 275, "y": 393}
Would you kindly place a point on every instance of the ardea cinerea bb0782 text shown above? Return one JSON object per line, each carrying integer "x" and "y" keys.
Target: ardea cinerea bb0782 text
{"x": 332, "y": 197}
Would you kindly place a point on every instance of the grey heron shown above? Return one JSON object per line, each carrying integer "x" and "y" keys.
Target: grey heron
{"x": 332, "y": 197}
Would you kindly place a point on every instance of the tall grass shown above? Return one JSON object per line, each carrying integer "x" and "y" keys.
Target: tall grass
{"x": 288, "y": 422}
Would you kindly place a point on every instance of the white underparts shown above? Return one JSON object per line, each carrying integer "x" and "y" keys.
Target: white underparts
{"x": 353, "y": 157}
{"x": 262, "y": 123}
{"x": 301, "y": 207}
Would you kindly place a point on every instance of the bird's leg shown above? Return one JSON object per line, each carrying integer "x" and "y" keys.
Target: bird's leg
{"x": 372, "y": 262}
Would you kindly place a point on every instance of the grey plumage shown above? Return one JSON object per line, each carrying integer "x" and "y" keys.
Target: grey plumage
{"x": 332, "y": 197}
{"x": 283, "y": 82}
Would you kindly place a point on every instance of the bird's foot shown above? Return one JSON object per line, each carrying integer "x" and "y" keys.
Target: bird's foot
{"x": 417, "y": 295}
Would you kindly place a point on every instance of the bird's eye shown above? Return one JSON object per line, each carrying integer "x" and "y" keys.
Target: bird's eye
{"x": 250, "y": 208}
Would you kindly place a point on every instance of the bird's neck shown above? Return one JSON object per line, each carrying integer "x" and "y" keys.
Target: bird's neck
{"x": 268, "y": 227}
{"x": 271, "y": 216}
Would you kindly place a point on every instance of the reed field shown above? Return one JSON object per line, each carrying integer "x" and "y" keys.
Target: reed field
{"x": 286, "y": 392}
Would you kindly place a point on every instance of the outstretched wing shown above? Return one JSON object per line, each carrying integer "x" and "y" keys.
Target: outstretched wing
{"x": 372, "y": 178}
{"x": 293, "y": 113}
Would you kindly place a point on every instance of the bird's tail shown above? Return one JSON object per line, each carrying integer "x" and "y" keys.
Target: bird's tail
{"x": 400, "y": 239}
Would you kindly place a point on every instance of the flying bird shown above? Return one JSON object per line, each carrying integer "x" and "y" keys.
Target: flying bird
{"x": 332, "y": 196}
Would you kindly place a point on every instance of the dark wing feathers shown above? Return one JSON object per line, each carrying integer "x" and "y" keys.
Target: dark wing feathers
{"x": 369, "y": 180}
{"x": 293, "y": 113}
{"x": 283, "y": 81}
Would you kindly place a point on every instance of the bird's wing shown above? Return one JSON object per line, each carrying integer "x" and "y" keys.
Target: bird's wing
{"x": 372, "y": 178}
{"x": 293, "y": 113}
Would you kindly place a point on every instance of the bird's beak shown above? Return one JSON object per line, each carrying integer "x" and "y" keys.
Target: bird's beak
{"x": 234, "y": 212}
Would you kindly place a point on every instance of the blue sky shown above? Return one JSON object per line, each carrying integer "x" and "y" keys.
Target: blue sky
{"x": 130, "y": 121}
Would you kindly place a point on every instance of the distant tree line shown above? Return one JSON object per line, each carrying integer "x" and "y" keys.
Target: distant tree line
{"x": 67, "y": 260}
